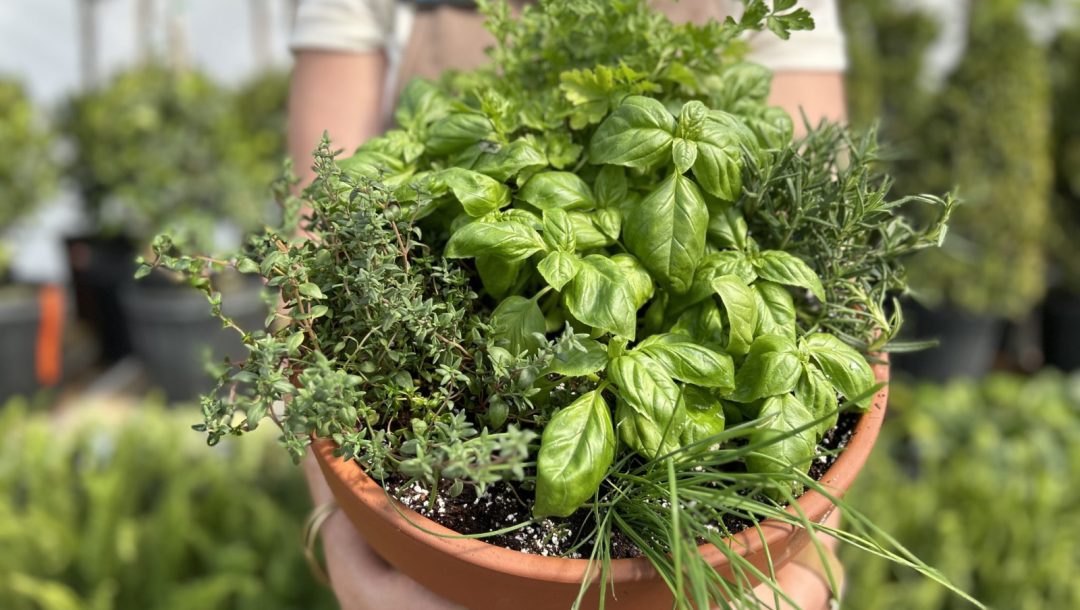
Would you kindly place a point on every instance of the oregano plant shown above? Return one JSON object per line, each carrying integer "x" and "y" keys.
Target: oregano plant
{"x": 601, "y": 269}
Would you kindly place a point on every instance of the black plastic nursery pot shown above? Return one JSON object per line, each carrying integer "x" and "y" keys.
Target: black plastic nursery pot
{"x": 20, "y": 319}
{"x": 101, "y": 268}
{"x": 967, "y": 343}
{"x": 1061, "y": 330}
{"x": 172, "y": 331}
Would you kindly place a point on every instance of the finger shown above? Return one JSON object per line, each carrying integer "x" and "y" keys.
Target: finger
{"x": 320, "y": 491}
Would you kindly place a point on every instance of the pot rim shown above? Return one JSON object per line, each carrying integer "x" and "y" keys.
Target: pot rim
{"x": 815, "y": 506}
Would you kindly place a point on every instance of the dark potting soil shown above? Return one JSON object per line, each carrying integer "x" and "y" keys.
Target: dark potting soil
{"x": 504, "y": 505}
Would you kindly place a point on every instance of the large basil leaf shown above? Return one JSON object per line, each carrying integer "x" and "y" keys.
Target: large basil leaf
{"x": 576, "y": 450}
{"x": 498, "y": 275}
{"x": 558, "y": 268}
{"x": 508, "y": 161}
{"x": 702, "y": 322}
{"x": 714, "y": 265}
{"x": 610, "y": 186}
{"x": 771, "y": 125}
{"x": 457, "y": 132}
{"x": 843, "y": 365}
{"x": 559, "y": 230}
{"x": 742, "y": 81}
{"x": 637, "y": 134}
{"x": 718, "y": 166}
{"x": 786, "y": 449}
{"x": 666, "y": 231}
{"x": 601, "y": 296}
{"x": 789, "y": 270}
{"x": 776, "y": 309}
{"x": 817, "y": 393}
{"x": 683, "y": 153}
{"x": 577, "y": 363}
{"x": 510, "y": 239}
{"x": 515, "y": 324}
{"x": 771, "y": 368}
{"x": 557, "y": 190}
{"x": 479, "y": 194}
{"x": 641, "y": 284}
{"x": 421, "y": 103}
{"x": 741, "y": 310}
{"x": 647, "y": 416}
{"x": 727, "y": 229}
{"x": 690, "y": 362}
{"x": 588, "y": 235}
{"x": 704, "y": 415}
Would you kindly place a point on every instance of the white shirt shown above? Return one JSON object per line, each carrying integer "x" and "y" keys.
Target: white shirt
{"x": 368, "y": 25}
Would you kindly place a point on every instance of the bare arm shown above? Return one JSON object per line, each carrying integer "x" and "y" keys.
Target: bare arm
{"x": 336, "y": 92}
{"x": 820, "y": 95}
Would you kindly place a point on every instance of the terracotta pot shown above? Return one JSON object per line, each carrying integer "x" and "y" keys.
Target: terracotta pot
{"x": 482, "y": 576}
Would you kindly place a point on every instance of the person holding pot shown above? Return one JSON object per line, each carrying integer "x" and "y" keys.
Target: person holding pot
{"x": 352, "y": 59}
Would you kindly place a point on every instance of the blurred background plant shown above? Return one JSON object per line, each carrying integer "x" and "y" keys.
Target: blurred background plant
{"x": 978, "y": 479}
{"x": 28, "y": 172}
{"x": 130, "y": 509}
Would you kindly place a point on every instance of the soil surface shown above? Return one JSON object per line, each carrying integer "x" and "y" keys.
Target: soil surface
{"x": 505, "y": 505}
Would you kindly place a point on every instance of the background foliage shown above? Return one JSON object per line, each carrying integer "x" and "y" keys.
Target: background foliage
{"x": 976, "y": 479}
{"x": 113, "y": 512}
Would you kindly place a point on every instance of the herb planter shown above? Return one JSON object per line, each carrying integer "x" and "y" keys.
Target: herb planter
{"x": 171, "y": 327}
{"x": 968, "y": 343}
{"x": 19, "y": 319}
{"x": 483, "y": 576}
{"x": 101, "y": 269}
{"x": 1061, "y": 330}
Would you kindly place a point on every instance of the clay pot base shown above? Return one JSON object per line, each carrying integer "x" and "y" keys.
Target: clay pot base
{"x": 482, "y": 576}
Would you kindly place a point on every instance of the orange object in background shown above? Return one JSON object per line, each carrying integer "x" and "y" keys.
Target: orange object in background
{"x": 48, "y": 359}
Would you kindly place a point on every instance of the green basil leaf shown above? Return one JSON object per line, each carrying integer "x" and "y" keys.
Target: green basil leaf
{"x": 714, "y": 265}
{"x": 641, "y": 284}
{"x": 559, "y": 230}
{"x": 718, "y": 165}
{"x": 786, "y": 448}
{"x": 727, "y": 229}
{"x": 741, "y": 312}
{"x": 421, "y": 103}
{"x": 776, "y": 310}
{"x": 772, "y": 126}
{"x": 817, "y": 393}
{"x": 610, "y": 186}
{"x": 702, "y": 322}
{"x": 843, "y": 365}
{"x": 479, "y": 194}
{"x": 498, "y": 275}
{"x": 789, "y": 270}
{"x": 508, "y": 161}
{"x": 578, "y": 363}
{"x": 771, "y": 368}
{"x": 515, "y": 324}
{"x": 558, "y": 268}
{"x": 704, "y": 415}
{"x": 637, "y": 134}
{"x": 457, "y": 132}
{"x": 557, "y": 190}
{"x": 647, "y": 415}
{"x": 690, "y": 362}
{"x": 587, "y": 234}
{"x": 601, "y": 296}
{"x": 683, "y": 154}
{"x": 692, "y": 117}
{"x": 666, "y": 231}
{"x": 576, "y": 450}
{"x": 743, "y": 81}
{"x": 510, "y": 239}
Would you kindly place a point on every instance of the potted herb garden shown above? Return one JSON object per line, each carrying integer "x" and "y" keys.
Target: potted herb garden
{"x": 591, "y": 302}
{"x": 162, "y": 149}
{"x": 27, "y": 174}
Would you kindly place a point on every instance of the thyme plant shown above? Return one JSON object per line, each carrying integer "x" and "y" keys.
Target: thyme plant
{"x": 600, "y": 267}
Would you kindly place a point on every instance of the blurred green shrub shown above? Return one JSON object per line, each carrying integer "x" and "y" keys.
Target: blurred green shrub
{"x": 1065, "y": 79}
{"x": 27, "y": 170}
{"x": 986, "y": 132}
{"x": 163, "y": 150}
{"x": 139, "y": 513}
{"x": 979, "y": 481}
